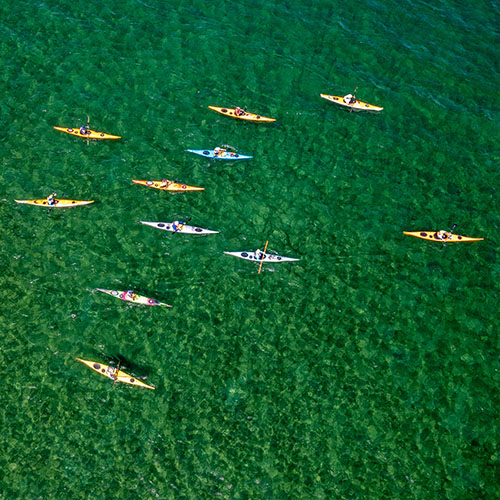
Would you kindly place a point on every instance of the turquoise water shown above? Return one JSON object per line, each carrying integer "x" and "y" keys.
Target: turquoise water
{"x": 369, "y": 369}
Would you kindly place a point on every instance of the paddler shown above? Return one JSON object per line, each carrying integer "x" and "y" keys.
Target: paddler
{"x": 177, "y": 225}
{"x": 84, "y": 130}
{"x": 51, "y": 199}
{"x": 259, "y": 254}
{"x": 112, "y": 372}
{"x": 219, "y": 151}
{"x": 164, "y": 183}
{"x": 238, "y": 111}
{"x": 131, "y": 295}
{"x": 442, "y": 235}
{"x": 445, "y": 235}
{"x": 349, "y": 99}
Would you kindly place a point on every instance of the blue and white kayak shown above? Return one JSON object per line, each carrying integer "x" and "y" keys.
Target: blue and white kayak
{"x": 224, "y": 154}
{"x": 178, "y": 227}
{"x": 267, "y": 257}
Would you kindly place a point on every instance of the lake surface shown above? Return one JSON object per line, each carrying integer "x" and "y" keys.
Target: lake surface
{"x": 367, "y": 370}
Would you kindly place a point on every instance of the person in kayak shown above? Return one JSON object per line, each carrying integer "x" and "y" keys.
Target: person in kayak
{"x": 164, "y": 183}
{"x": 112, "y": 372}
{"x": 219, "y": 151}
{"x": 84, "y": 130}
{"x": 177, "y": 225}
{"x": 259, "y": 254}
{"x": 443, "y": 235}
{"x": 349, "y": 99}
{"x": 130, "y": 295}
{"x": 51, "y": 199}
{"x": 238, "y": 111}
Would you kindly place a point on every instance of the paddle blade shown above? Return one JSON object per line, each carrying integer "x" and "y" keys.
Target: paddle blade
{"x": 263, "y": 255}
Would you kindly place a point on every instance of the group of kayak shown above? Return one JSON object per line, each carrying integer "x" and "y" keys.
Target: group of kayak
{"x": 177, "y": 226}
{"x": 348, "y": 101}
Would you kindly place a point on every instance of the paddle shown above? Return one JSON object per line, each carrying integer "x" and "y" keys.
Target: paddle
{"x": 116, "y": 374}
{"x": 263, "y": 255}
{"x": 181, "y": 223}
{"x": 354, "y": 97}
{"x": 229, "y": 147}
{"x": 55, "y": 201}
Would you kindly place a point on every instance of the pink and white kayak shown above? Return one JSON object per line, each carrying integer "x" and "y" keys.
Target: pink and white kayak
{"x": 130, "y": 296}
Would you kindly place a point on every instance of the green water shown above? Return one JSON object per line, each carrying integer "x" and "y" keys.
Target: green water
{"x": 369, "y": 369}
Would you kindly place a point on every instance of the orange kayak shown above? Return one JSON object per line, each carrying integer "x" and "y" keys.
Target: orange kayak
{"x": 355, "y": 106}
{"x": 169, "y": 186}
{"x": 244, "y": 115}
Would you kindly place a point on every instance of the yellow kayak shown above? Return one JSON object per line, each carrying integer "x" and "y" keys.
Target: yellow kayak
{"x": 57, "y": 203}
{"x": 244, "y": 115}
{"x": 356, "y": 105}
{"x": 441, "y": 236}
{"x": 168, "y": 185}
{"x": 91, "y": 134}
{"x": 111, "y": 372}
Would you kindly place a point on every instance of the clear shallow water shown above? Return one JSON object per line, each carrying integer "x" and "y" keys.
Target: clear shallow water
{"x": 369, "y": 369}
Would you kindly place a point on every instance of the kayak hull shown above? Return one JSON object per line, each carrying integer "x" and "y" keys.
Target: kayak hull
{"x": 167, "y": 226}
{"x": 250, "y": 117}
{"x": 136, "y": 299}
{"x": 356, "y": 106}
{"x": 432, "y": 236}
{"x": 91, "y": 135}
{"x": 267, "y": 258}
{"x": 173, "y": 186}
{"x": 58, "y": 203}
{"x": 123, "y": 377}
{"x": 226, "y": 155}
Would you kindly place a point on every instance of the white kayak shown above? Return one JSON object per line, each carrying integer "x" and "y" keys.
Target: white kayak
{"x": 267, "y": 257}
{"x": 223, "y": 154}
{"x": 130, "y": 296}
{"x": 178, "y": 227}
